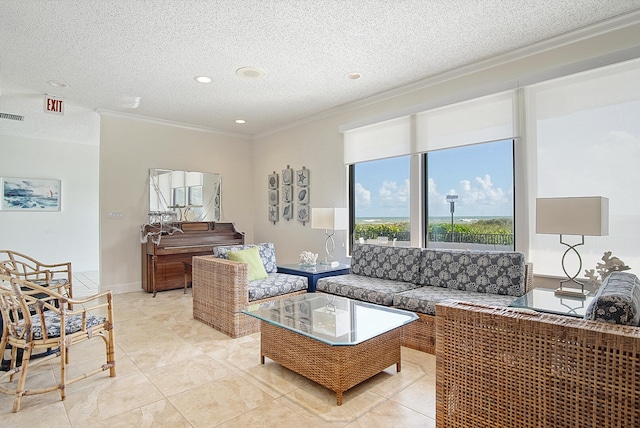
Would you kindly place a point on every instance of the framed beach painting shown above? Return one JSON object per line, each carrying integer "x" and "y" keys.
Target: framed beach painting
{"x": 30, "y": 194}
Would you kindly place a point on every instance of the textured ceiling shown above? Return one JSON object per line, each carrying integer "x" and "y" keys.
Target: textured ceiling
{"x": 140, "y": 57}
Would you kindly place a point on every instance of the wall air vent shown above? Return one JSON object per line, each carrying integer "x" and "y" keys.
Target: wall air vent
{"x": 11, "y": 116}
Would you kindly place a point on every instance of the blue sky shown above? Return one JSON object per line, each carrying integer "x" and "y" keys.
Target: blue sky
{"x": 481, "y": 175}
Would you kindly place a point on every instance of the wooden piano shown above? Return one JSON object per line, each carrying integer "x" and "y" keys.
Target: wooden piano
{"x": 166, "y": 265}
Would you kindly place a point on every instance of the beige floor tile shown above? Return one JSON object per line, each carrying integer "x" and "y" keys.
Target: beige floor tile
{"x": 277, "y": 415}
{"x": 51, "y": 414}
{"x": 160, "y": 353}
{"x": 216, "y": 402}
{"x": 390, "y": 414}
{"x": 160, "y": 414}
{"x": 419, "y": 396}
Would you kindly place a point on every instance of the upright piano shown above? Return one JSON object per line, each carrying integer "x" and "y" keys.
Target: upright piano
{"x": 169, "y": 248}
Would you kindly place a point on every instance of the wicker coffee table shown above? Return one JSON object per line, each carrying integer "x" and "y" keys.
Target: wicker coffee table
{"x": 334, "y": 341}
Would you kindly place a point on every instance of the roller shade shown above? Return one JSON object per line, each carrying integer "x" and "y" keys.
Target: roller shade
{"x": 378, "y": 141}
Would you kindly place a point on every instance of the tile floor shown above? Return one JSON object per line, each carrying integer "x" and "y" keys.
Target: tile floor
{"x": 174, "y": 371}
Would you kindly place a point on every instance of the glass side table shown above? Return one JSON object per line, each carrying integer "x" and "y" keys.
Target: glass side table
{"x": 313, "y": 273}
{"x": 545, "y": 300}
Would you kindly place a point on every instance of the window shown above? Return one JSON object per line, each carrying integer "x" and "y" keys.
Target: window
{"x": 470, "y": 197}
{"x": 380, "y": 201}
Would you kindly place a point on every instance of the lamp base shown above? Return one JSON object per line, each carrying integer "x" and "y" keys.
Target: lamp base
{"x": 330, "y": 264}
{"x": 572, "y": 292}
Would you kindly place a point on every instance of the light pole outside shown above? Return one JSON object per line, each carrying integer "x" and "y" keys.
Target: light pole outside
{"x": 452, "y": 207}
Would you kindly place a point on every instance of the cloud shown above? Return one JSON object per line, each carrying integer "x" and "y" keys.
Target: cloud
{"x": 393, "y": 195}
{"x": 476, "y": 197}
{"x": 363, "y": 196}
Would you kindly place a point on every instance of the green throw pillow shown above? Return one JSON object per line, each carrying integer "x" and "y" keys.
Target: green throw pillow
{"x": 251, "y": 257}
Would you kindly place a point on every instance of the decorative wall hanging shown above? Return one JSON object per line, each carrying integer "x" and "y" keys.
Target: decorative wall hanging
{"x": 272, "y": 197}
{"x": 30, "y": 194}
{"x": 287, "y": 193}
{"x": 287, "y": 211}
{"x": 287, "y": 176}
{"x": 302, "y": 177}
{"x": 302, "y": 195}
{"x": 303, "y": 213}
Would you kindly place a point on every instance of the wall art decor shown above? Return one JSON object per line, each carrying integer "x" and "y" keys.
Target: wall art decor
{"x": 273, "y": 197}
{"x": 302, "y": 177}
{"x": 273, "y": 213}
{"x": 303, "y": 213}
{"x": 273, "y": 180}
{"x": 287, "y": 211}
{"x": 287, "y": 193}
{"x": 30, "y": 194}
{"x": 303, "y": 195}
{"x": 287, "y": 176}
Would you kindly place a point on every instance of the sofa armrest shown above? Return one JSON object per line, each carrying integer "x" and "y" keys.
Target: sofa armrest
{"x": 221, "y": 281}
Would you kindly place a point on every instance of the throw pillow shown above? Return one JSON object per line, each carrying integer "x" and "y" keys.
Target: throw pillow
{"x": 251, "y": 257}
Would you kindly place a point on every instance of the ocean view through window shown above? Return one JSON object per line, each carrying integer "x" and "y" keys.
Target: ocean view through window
{"x": 470, "y": 198}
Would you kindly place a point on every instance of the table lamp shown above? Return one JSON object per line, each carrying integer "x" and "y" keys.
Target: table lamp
{"x": 329, "y": 219}
{"x": 572, "y": 216}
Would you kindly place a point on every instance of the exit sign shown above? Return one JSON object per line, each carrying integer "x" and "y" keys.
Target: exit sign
{"x": 53, "y": 105}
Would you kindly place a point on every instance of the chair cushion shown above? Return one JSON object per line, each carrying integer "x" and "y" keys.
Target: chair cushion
{"x": 424, "y": 299}
{"x": 384, "y": 262}
{"x": 617, "y": 301}
{"x": 250, "y": 256}
{"x": 73, "y": 324}
{"x": 495, "y": 272}
{"x": 365, "y": 288}
{"x": 266, "y": 249}
{"x": 275, "y": 284}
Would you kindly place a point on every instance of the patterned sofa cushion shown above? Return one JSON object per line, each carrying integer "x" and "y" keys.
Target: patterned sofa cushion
{"x": 364, "y": 288}
{"x": 424, "y": 299}
{"x": 494, "y": 272}
{"x": 276, "y": 284}
{"x": 266, "y": 249}
{"x": 384, "y": 262}
{"x": 617, "y": 301}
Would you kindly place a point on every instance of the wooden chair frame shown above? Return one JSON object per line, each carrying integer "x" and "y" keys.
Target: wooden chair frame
{"x": 27, "y": 309}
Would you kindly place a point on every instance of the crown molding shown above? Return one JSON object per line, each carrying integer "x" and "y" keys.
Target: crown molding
{"x": 147, "y": 119}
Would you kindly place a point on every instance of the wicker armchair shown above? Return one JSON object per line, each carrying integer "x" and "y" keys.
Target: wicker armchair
{"x": 36, "y": 318}
{"x": 57, "y": 276}
{"x": 221, "y": 290}
{"x": 500, "y": 367}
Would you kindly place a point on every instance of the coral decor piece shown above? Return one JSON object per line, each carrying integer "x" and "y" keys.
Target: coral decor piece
{"x": 611, "y": 264}
{"x": 308, "y": 258}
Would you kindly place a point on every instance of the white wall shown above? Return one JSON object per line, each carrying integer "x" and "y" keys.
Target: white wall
{"x": 128, "y": 148}
{"x": 52, "y": 237}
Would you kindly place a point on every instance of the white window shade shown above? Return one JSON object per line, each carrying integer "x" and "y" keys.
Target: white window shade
{"x": 489, "y": 118}
{"x": 378, "y": 141}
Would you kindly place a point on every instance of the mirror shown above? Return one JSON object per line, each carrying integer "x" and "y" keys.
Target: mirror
{"x": 183, "y": 196}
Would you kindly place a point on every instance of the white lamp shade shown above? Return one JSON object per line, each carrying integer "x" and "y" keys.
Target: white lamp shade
{"x": 329, "y": 218}
{"x": 573, "y": 216}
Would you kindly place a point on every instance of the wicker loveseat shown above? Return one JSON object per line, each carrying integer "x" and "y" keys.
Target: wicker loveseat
{"x": 416, "y": 279}
{"x": 221, "y": 288}
{"x": 500, "y": 367}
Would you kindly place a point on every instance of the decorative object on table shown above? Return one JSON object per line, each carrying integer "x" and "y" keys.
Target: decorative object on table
{"x": 330, "y": 219}
{"x": 307, "y": 258}
{"x": 572, "y": 216}
{"x": 611, "y": 264}
{"x": 30, "y": 194}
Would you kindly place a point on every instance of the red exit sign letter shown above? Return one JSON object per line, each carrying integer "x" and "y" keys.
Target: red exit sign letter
{"x": 53, "y": 105}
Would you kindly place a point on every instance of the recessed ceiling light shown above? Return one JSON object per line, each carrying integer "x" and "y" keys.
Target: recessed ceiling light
{"x": 57, "y": 84}
{"x": 251, "y": 73}
{"x": 241, "y": 121}
{"x": 203, "y": 79}
{"x": 353, "y": 76}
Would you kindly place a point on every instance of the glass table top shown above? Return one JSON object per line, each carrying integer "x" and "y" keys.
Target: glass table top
{"x": 545, "y": 300}
{"x": 333, "y": 320}
{"x": 317, "y": 268}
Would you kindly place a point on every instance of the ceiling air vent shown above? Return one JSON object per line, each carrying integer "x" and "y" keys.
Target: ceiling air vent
{"x": 11, "y": 116}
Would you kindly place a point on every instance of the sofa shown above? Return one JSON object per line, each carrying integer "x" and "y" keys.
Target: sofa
{"x": 222, "y": 288}
{"x": 506, "y": 367}
{"x": 416, "y": 279}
